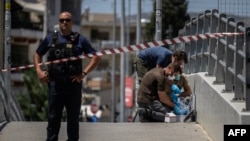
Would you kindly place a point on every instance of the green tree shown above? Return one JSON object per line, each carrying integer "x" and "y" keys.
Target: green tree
{"x": 34, "y": 104}
{"x": 174, "y": 17}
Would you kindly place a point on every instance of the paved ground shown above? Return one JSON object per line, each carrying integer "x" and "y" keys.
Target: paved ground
{"x": 104, "y": 131}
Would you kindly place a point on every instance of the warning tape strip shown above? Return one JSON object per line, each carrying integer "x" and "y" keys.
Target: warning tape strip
{"x": 177, "y": 40}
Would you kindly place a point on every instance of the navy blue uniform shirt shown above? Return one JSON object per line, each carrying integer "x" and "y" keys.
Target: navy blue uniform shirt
{"x": 81, "y": 47}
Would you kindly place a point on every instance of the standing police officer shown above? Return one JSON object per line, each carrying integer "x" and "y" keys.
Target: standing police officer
{"x": 64, "y": 79}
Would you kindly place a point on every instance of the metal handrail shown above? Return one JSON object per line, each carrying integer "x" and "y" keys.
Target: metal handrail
{"x": 226, "y": 58}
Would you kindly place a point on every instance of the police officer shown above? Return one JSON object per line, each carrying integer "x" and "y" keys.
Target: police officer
{"x": 64, "y": 79}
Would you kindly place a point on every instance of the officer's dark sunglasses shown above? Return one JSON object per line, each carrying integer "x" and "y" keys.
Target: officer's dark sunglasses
{"x": 66, "y": 20}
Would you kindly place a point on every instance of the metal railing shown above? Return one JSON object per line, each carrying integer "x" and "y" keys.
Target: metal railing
{"x": 227, "y": 58}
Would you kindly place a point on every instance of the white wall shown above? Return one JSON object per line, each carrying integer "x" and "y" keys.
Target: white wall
{"x": 214, "y": 108}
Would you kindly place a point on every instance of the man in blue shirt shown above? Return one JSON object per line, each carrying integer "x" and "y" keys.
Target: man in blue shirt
{"x": 157, "y": 57}
{"x": 64, "y": 79}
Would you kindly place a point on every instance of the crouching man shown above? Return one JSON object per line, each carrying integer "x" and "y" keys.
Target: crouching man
{"x": 152, "y": 99}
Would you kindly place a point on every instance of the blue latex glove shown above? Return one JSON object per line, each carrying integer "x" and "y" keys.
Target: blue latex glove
{"x": 175, "y": 90}
{"x": 174, "y": 98}
{"x": 178, "y": 110}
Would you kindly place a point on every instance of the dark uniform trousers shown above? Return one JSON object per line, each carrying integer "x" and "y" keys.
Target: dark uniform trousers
{"x": 153, "y": 112}
{"x": 62, "y": 94}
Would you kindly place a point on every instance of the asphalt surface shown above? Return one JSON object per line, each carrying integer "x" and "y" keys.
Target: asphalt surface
{"x": 104, "y": 131}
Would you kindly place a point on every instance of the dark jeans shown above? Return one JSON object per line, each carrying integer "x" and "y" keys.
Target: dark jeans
{"x": 62, "y": 95}
{"x": 153, "y": 112}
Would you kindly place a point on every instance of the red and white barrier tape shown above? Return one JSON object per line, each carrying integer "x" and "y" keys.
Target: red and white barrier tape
{"x": 184, "y": 39}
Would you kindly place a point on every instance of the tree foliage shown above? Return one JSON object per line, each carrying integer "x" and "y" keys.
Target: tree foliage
{"x": 34, "y": 104}
{"x": 174, "y": 16}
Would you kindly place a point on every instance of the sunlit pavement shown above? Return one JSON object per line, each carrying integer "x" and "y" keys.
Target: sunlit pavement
{"x": 107, "y": 131}
{"x": 104, "y": 131}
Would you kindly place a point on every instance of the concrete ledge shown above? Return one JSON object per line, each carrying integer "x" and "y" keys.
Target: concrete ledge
{"x": 2, "y": 125}
{"x": 214, "y": 108}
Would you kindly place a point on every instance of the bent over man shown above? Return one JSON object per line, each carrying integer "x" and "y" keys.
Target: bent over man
{"x": 157, "y": 57}
{"x": 64, "y": 79}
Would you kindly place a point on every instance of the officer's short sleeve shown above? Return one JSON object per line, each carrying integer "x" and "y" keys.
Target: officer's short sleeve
{"x": 44, "y": 45}
{"x": 86, "y": 46}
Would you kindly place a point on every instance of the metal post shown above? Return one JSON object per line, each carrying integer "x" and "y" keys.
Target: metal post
{"x": 2, "y": 117}
{"x": 158, "y": 23}
{"x": 127, "y": 56}
{"x": 122, "y": 81}
{"x": 7, "y": 54}
{"x": 247, "y": 69}
{"x": 113, "y": 100}
{"x": 138, "y": 41}
{"x": 138, "y": 23}
{"x": 45, "y": 20}
{"x": 1, "y": 31}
